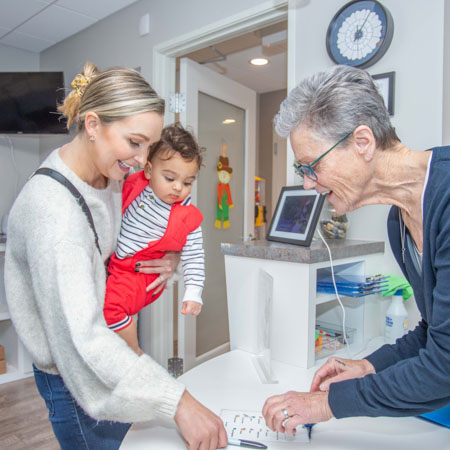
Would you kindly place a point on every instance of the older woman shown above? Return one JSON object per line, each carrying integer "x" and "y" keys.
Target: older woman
{"x": 344, "y": 144}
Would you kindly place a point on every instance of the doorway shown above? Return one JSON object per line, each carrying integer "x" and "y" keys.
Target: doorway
{"x": 251, "y": 21}
{"x": 222, "y": 114}
{"x": 231, "y": 59}
{"x": 228, "y": 141}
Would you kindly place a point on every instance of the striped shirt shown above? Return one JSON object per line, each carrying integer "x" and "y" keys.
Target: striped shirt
{"x": 144, "y": 221}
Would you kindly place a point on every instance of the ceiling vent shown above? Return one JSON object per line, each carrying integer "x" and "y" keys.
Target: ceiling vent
{"x": 274, "y": 44}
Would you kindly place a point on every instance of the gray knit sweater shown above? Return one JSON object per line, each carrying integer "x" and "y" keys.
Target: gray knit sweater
{"x": 55, "y": 287}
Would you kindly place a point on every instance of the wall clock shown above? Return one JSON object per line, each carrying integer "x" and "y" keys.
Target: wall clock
{"x": 360, "y": 33}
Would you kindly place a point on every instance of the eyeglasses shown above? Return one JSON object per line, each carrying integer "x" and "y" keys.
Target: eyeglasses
{"x": 306, "y": 170}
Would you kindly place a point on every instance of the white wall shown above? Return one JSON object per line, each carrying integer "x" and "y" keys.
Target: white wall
{"x": 115, "y": 40}
{"x": 416, "y": 55}
{"x": 26, "y": 149}
{"x": 417, "y": 58}
{"x": 269, "y": 105}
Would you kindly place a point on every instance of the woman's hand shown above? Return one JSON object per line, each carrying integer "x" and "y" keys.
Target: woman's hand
{"x": 200, "y": 427}
{"x": 339, "y": 369}
{"x": 165, "y": 267}
{"x": 301, "y": 407}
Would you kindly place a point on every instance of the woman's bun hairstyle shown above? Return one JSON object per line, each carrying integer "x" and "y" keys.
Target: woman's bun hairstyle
{"x": 72, "y": 102}
{"x": 113, "y": 94}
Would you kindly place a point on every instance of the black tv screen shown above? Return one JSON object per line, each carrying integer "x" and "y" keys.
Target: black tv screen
{"x": 28, "y": 102}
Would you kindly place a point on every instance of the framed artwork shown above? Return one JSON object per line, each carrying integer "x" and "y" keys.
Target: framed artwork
{"x": 385, "y": 83}
{"x": 296, "y": 216}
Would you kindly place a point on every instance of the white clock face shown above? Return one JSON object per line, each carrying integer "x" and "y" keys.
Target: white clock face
{"x": 359, "y": 34}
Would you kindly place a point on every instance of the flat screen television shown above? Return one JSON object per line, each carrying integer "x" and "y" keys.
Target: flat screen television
{"x": 28, "y": 102}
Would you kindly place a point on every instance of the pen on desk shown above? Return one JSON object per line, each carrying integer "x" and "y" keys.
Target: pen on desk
{"x": 245, "y": 444}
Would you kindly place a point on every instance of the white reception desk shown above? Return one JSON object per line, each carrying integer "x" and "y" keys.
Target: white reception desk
{"x": 231, "y": 382}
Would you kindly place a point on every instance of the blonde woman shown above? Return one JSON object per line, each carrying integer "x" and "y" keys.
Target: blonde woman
{"x": 93, "y": 383}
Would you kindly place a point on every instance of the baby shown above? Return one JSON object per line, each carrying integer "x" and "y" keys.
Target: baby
{"x": 157, "y": 217}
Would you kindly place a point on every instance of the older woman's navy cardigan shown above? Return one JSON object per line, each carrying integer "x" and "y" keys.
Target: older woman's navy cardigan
{"x": 413, "y": 376}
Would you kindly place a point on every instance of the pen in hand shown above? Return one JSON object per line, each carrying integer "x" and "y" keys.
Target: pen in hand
{"x": 308, "y": 427}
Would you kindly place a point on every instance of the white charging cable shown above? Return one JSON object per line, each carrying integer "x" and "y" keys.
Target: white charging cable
{"x": 337, "y": 294}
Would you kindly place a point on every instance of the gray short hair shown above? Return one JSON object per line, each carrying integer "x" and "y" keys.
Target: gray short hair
{"x": 335, "y": 102}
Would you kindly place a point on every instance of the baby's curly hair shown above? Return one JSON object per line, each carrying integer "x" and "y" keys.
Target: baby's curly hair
{"x": 176, "y": 138}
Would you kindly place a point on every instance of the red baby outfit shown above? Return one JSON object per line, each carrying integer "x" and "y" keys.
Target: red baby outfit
{"x": 125, "y": 289}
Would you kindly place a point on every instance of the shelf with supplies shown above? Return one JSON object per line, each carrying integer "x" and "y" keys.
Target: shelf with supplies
{"x": 356, "y": 268}
{"x": 18, "y": 361}
{"x": 358, "y": 287}
{"x": 296, "y": 307}
{"x": 330, "y": 339}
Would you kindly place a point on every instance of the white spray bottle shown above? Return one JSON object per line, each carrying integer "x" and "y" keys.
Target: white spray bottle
{"x": 396, "y": 319}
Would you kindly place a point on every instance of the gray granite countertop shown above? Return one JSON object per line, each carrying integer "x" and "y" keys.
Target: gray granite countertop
{"x": 317, "y": 252}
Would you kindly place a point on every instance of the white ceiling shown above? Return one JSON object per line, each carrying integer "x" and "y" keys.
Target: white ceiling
{"x": 35, "y": 25}
{"x": 271, "y": 77}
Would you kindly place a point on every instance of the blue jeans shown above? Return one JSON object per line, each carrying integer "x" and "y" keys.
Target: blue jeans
{"x": 73, "y": 428}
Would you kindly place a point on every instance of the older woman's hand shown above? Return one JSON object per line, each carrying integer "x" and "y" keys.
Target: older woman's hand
{"x": 301, "y": 407}
{"x": 165, "y": 266}
{"x": 339, "y": 369}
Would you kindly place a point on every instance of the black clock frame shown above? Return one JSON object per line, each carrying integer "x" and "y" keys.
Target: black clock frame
{"x": 384, "y": 45}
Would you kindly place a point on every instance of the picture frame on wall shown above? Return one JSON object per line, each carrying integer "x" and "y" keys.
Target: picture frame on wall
{"x": 385, "y": 83}
{"x": 296, "y": 216}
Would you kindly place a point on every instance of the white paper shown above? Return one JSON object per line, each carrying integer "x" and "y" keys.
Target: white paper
{"x": 250, "y": 425}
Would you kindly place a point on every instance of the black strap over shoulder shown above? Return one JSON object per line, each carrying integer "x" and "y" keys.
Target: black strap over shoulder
{"x": 74, "y": 191}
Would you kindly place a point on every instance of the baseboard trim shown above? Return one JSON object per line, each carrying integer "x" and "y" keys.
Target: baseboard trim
{"x": 220, "y": 350}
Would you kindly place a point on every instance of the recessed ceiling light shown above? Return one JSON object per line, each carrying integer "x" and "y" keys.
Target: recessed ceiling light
{"x": 259, "y": 61}
{"x": 227, "y": 121}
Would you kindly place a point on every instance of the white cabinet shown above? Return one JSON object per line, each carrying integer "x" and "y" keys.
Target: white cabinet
{"x": 296, "y": 306}
{"x": 18, "y": 361}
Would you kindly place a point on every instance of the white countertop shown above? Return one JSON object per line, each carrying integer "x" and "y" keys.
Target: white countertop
{"x": 231, "y": 382}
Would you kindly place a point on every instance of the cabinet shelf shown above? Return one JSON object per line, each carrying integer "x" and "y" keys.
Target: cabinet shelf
{"x": 4, "y": 315}
{"x": 355, "y": 349}
{"x": 11, "y": 371}
{"x": 12, "y": 374}
{"x": 293, "y": 300}
{"x": 18, "y": 362}
{"x": 325, "y": 298}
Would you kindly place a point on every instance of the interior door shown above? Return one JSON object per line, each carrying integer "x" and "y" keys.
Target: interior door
{"x": 211, "y": 99}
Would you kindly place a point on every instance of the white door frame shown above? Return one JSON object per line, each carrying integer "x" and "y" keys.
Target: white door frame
{"x": 164, "y": 82}
{"x": 195, "y": 78}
